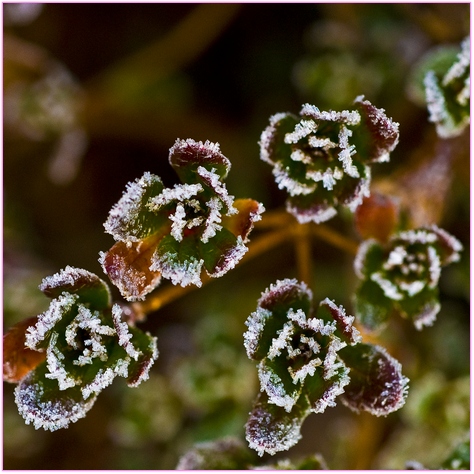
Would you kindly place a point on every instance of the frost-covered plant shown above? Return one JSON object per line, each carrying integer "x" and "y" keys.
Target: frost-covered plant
{"x": 306, "y": 361}
{"x": 85, "y": 344}
{"x": 448, "y": 94}
{"x": 177, "y": 232}
{"x": 403, "y": 274}
{"x": 322, "y": 158}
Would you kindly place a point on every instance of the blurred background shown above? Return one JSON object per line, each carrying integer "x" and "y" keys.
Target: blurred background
{"x": 96, "y": 94}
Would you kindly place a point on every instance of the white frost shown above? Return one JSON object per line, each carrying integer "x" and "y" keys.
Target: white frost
{"x": 123, "y": 215}
{"x": 123, "y": 333}
{"x": 267, "y": 137}
{"x": 49, "y": 415}
{"x": 346, "y": 116}
{"x": 182, "y": 273}
{"x": 255, "y": 323}
{"x": 302, "y": 130}
{"x": 35, "y": 335}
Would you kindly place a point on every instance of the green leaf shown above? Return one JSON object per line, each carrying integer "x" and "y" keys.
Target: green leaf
{"x": 186, "y": 156}
{"x": 460, "y": 457}
{"x": 130, "y": 220}
{"x": 89, "y": 287}
{"x": 422, "y": 308}
{"x": 371, "y": 306}
{"x": 376, "y": 382}
{"x": 40, "y": 402}
{"x": 271, "y": 429}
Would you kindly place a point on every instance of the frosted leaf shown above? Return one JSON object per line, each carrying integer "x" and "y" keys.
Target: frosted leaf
{"x": 185, "y": 156}
{"x": 275, "y": 389}
{"x": 230, "y": 258}
{"x": 255, "y": 323}
{"x": 122, "y": 331}
{"x": 271, "y": 429}
{"x": 302, "y": 130}
{"x": 56, "y": 368}
{"x": 128, "y": 267}
{"x": 78, "y": 281}
{"x": 344, "y": 322}
{"x": 140, "y": 371}
{"x": 377, "y": 384}
{"x": 351, "y": 118}
{"x": 18, "y": 359}
{"x": 213, "y": 220}
{"x": 285, "y": 181}
{"x": 182, "y": 272}
{"x": 36, "y": 335}
{"x": 328, "y": 177}
{"x": 179, "y": 193}
{"x": 427, "y": 315}
{"x": 268, "y": 136}
{"x": 129, "y": 220}
{"x": 389, "y": 288}
{"x": 40, "y": 405}
{"x": 316, "y": 214}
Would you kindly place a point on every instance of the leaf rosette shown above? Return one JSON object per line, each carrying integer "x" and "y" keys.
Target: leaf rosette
{"x": 305, "y": 363}
{"x": 86, "y": 344}
{"x": 323, "y": 159}
{"x": 403, "y": 274}
{"x": 178, "y": 232}
{"x": 448, "y": 94}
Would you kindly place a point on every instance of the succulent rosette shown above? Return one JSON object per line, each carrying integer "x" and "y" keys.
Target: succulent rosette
{"x": 86, "y": 345}
{"x": 403, "y": 274}
{"x": 448, "y": 94}
{"x": 305, "y": 362}
{"x": 178, "y": 232}
{"x": 323, "y": 159}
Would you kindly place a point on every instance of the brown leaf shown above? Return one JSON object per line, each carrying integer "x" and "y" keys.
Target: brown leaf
{"x": 376, "y": 217}
{"x": 242, "y": 223}
{"x": 128, "y": 267}
{"x": 18, "y": 360}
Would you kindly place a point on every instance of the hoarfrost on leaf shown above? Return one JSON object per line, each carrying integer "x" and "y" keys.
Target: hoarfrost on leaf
{"x": 86, "y": 344}
{"x": 322, "y": 158}
{"x": 209, "y": 228}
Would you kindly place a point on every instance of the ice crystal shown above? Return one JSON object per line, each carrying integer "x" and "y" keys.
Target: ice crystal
{"x": 403, "y": 274}
{"x": 86, "y": 343}
{"x": 299, "y": 363}
{"x": 178, "y": 232}
{"x": 322, "y": 158}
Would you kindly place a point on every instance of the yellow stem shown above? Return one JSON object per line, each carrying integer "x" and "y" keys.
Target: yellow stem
{"x": 303, "y": 253}
{"x": 335, "y": 238}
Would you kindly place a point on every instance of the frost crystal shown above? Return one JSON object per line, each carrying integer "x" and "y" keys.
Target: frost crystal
{"x": 207, "y": 227}
{"x": 300, "y": 367}
{"x": 322, "y": 158}
{"x": 404, "y": 274}
{"x": 86, "y": 344}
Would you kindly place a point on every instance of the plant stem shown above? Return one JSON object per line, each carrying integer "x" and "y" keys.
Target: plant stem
{"x": 303, "y": 253}
{"x": 334, "y": 238}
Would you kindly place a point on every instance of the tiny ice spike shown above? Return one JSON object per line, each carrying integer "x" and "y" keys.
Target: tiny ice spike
{"x": 86, "y": 344}
{"x": 305, "y": 363}
{"x": 323, "y": 159}
{"x": 403, "y": 274}
{"x": 448, "y": 96}
{"x": 178, "y": 232}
